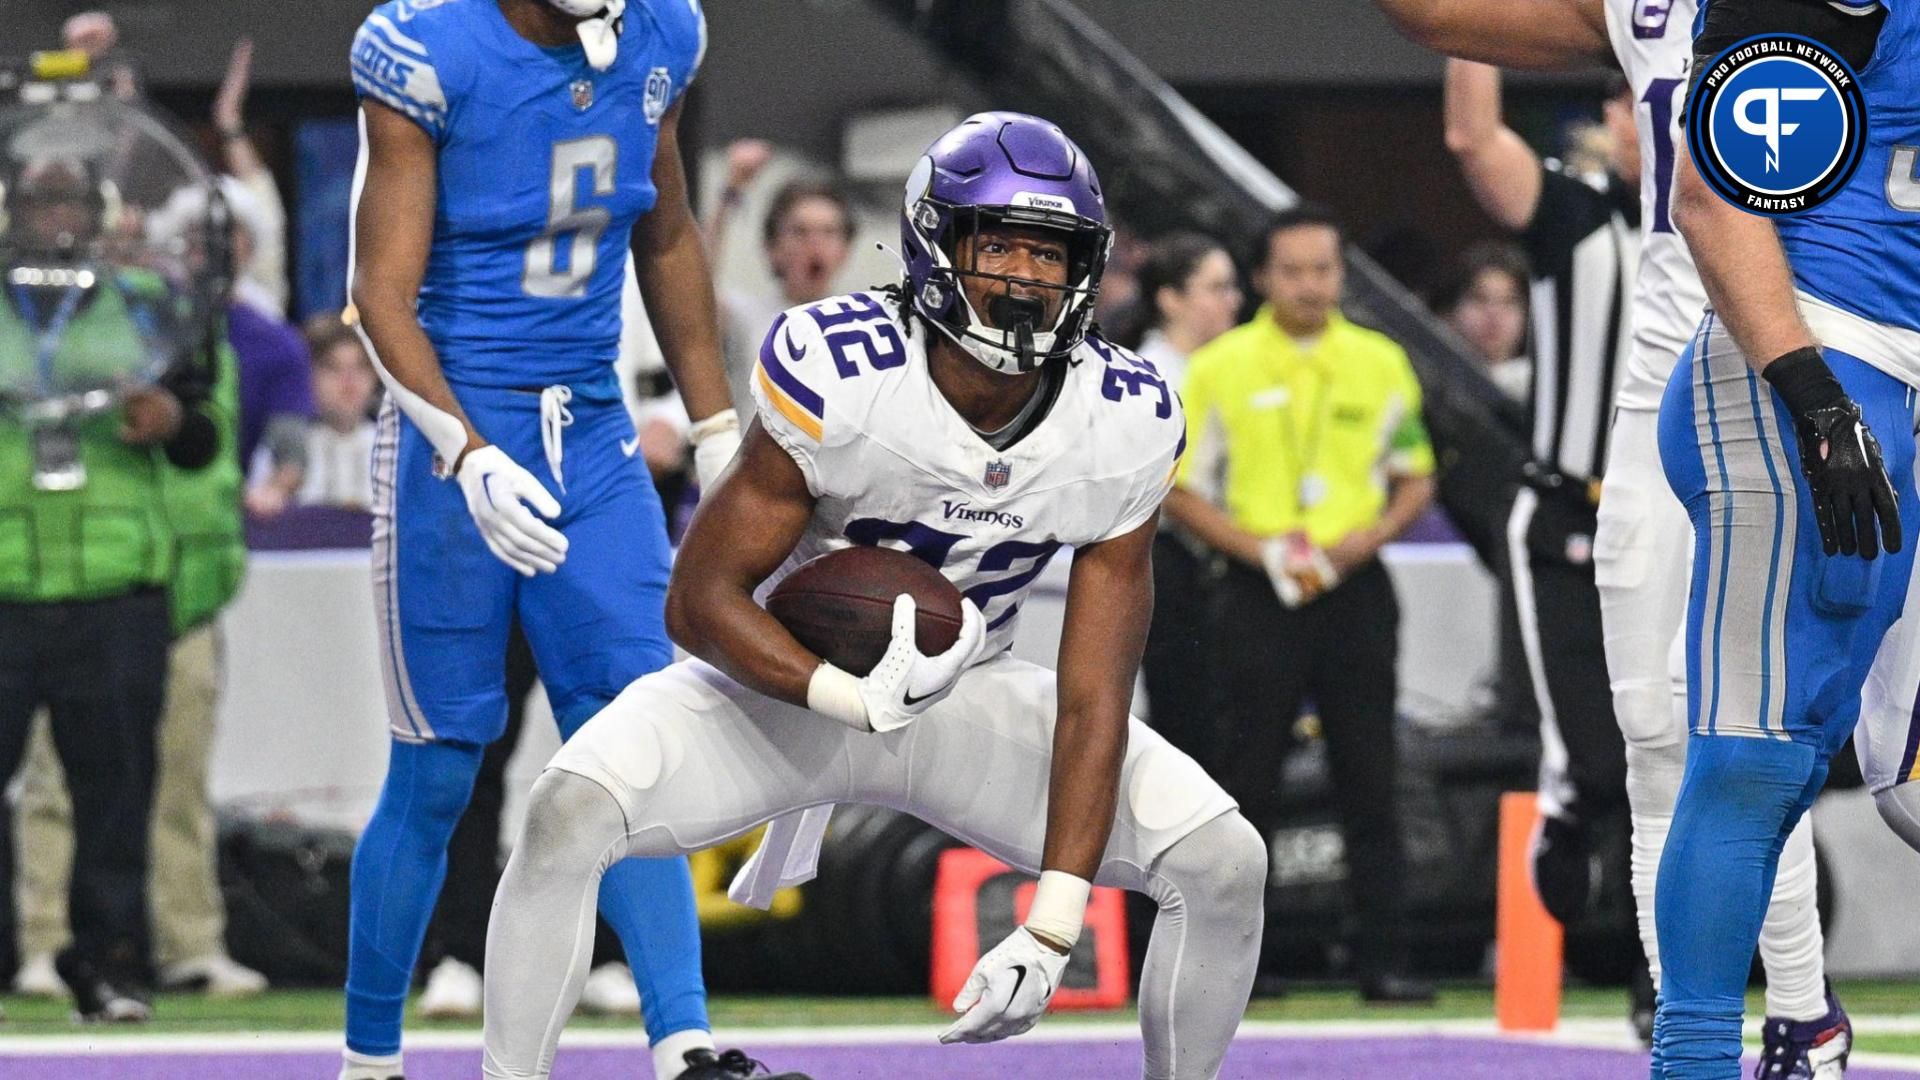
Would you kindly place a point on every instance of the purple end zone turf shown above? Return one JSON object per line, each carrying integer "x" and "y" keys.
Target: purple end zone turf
{"x": 1386, "y": 1058}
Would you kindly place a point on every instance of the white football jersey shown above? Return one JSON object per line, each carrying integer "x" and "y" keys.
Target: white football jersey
{"x": 1653, "y": 40}
{"x": 844, "y": 388}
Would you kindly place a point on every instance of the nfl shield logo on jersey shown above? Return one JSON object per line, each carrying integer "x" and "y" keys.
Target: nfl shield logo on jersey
{"x": 659, "y": 88}
{"x": 583, "y": 94}
{"x": 998, "y": 473}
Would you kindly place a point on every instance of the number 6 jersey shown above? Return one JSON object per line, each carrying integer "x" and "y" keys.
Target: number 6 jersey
{"x": 544, "y": 166}
{"x": 844, "y": 387}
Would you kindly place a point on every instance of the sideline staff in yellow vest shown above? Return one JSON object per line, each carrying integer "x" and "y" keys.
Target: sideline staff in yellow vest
{"x": 1306, "y": 456}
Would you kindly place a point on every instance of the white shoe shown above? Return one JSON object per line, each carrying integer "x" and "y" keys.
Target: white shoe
{"x": 609, "y": 991}
{"x": 454, "y": 992}
{"x": 215, "y": 975}
{"x": 37, "y": 978}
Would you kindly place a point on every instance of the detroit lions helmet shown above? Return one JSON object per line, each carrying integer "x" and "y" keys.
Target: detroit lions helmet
{"x": 1004, "y": 168}
{"x": 600, "y": 33}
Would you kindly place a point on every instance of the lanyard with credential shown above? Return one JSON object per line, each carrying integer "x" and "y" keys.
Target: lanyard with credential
{"x": 1310, "y": 488}
{"x": 47, "y": 344}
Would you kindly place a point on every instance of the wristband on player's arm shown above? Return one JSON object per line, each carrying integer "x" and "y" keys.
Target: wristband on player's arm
{"x": 835, "y": 692}
{"x": 1059, "y": 908}
{"x": 1805, "y": 382}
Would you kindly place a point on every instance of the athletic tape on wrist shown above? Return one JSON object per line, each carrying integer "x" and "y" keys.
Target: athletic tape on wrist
{"x": 724, "y": 420}
{"x": 836, "y": 693}
{"x": 1059, "y": 907}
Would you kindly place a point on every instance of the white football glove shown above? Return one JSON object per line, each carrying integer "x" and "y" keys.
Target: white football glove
{"x": 715, "y": 440}
{"x": 498, "y": 493}
{"x": 1008, "y": 991}
{"x": 906, "y": 682}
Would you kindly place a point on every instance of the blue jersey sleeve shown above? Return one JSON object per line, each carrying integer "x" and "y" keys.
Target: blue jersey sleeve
{"x": 683, "y": 25}
{"x": 392, "y": 65}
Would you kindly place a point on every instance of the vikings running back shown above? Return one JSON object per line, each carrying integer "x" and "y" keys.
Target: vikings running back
{"x": 970, "y": 418}
{"x": 514, "y": 151}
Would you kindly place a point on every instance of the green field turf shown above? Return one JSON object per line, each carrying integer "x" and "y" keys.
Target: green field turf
{"x": 320, "y": 1010}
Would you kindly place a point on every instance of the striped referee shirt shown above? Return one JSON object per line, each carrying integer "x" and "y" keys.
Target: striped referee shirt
{"x": 1584, "y": 242}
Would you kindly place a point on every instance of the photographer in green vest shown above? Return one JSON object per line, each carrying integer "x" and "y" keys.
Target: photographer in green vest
{"x": 189, "y": 913}
{"x": 106, "y": 406}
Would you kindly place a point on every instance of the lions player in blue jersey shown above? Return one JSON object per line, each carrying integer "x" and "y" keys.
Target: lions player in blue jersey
{"x": 1780, "y": 430}
{"x": 514, "y": 151}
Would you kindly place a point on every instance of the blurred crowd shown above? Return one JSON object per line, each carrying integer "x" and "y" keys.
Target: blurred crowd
{"x": 1276, "y": 620}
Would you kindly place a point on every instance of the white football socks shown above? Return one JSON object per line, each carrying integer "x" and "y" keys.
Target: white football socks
{"x": 670, "y": 1053}
{"x": 354, "y": 1066}
{"x": 1792, "y": 948}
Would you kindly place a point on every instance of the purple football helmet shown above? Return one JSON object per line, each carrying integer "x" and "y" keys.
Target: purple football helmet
{"x": 1004, "y": 168}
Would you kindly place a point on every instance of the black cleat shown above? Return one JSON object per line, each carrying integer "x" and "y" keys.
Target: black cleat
{"x": 730, "y": 1065}
{"x": 1563, "y": 870}
{"x": 1640, "y": 1003}
{"x": 100, "y": 997}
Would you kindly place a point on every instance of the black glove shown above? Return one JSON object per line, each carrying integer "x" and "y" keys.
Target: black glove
{"x": 1839, "y": 456}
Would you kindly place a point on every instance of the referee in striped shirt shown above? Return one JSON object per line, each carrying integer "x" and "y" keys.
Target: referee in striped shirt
{"x": 1581, "y": 232}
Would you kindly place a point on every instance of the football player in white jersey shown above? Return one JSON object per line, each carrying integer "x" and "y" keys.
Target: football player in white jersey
{"x": 1643, "y": 548}
{"x": 970, "y": 418}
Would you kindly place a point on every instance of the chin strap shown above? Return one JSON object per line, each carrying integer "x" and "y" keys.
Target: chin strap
{"x": 600, "y": 35}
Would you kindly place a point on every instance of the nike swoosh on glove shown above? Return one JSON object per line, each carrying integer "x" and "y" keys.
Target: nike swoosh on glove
{"x": 1008, "y": 991}
{"x": 499, "y": 493}
{"x": 907, "y": 682}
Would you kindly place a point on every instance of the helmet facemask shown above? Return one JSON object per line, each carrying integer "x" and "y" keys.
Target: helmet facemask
{"x": 1013, "y": 334}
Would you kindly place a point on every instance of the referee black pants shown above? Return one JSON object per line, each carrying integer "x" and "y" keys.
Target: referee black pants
{"x": 100, "y": 668}
{"x": 1181, "y": 695}
{"x": 1583, "y": 755}
{"x": 1340, "y": 652}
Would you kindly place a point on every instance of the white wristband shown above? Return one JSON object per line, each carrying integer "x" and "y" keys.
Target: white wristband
{"x": 1059, "y": 906}
{"x": 836, "y": 693}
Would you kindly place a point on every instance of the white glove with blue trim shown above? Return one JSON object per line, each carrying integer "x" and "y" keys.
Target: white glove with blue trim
{"x": 498, "y": 494}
